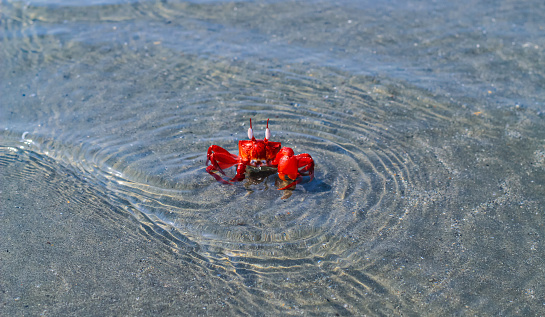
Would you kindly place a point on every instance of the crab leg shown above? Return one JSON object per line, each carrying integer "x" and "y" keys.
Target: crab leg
{"x": 304, "y": 159}
{"x": 241, "y": 169}
{"x": 219, "y": 159}
{"x": 214, "y": 149}
{"x": 210, "y": 168}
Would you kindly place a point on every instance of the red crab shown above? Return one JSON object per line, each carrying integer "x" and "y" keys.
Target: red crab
{"x": 257, "y": 154}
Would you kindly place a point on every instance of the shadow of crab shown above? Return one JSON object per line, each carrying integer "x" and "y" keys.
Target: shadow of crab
{"x": 316, "y": 186}
{"x": 256, "y": 176}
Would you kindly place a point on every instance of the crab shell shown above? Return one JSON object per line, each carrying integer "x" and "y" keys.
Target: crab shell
{"x": 258, "y": 152}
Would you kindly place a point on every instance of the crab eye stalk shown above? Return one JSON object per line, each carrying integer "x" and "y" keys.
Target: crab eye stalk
{"x": 267, "y": 131}
{"x": 250, "y": 131}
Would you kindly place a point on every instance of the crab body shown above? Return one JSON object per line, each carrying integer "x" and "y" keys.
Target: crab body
{"x": 260, "y": 154}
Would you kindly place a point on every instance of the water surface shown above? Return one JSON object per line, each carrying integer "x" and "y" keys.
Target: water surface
{"x": 424, "y": 119}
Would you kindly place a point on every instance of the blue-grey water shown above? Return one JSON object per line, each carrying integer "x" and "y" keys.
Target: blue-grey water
{"x": 426, "y": 120}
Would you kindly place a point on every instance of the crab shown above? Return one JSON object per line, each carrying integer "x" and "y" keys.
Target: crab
{"x": 260, "y": 155}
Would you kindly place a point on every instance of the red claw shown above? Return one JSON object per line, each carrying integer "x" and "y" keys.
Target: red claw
{"x": 289, "y": 165}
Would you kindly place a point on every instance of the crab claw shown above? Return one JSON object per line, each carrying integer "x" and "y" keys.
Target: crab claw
{"x": 289, "y": 164}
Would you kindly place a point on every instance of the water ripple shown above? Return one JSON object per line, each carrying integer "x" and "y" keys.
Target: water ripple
{"x": 367, "y": 179}
{"x": 142, "y": 145}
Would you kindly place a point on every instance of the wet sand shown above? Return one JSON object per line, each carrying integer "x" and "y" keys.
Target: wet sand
{"x": 58, "y": 259}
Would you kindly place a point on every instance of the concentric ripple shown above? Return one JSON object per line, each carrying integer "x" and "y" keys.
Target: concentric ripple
{"x": 148, "y": 158}
{"x": 365, "y": 174}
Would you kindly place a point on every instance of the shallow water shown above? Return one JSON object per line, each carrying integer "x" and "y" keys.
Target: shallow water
{"x": 424, "y": 119}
